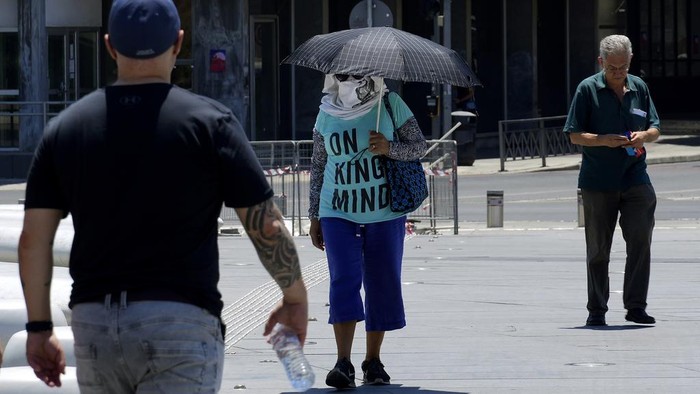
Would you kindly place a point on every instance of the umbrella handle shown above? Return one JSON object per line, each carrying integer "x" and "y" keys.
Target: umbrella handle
{"x": 379, "y": 103}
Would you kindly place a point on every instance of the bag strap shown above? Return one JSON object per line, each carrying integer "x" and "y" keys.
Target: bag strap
{"x": 387, "y": 105}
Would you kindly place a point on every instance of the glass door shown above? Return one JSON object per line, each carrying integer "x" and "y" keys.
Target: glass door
{"x": 73, "y": 64}
{"x": 264, "y": 79}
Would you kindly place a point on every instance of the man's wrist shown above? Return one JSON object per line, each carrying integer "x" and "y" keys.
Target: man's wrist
{"x": 295, "y": 293}
{"x": 39, "y": 326}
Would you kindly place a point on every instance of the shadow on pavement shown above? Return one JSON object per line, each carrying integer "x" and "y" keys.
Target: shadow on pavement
{"x": 610, "y": 327}
{"x": 390, "y": 388}
{"x": 690, "y": 140}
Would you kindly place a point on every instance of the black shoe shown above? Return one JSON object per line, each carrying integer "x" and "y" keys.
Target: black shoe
{"x": 373, "y": 372}
{"x": 640, "y": 316}
{"x": 342, "y": 376}
{"x": 595, "y": 319}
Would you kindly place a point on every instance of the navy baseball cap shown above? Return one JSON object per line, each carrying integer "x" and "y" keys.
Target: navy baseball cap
{"x": 143, "y": 29}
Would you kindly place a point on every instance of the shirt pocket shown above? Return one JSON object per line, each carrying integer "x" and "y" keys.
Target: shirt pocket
{"x": 640, "y": 119}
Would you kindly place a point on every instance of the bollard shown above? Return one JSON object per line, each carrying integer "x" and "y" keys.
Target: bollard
{"x": 494, "y": 208}
{"x": 579, "y": 198}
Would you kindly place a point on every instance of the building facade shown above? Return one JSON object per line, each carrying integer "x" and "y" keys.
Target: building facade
{"x": 528, "y": 54}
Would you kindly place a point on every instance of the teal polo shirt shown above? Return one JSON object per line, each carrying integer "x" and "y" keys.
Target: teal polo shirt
{"x": 596, "y": 109}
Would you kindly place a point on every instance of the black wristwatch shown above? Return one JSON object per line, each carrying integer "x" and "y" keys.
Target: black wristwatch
{"x": 39, "y": 326}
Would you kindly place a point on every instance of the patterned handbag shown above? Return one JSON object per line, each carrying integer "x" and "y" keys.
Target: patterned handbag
{"x": 406, "y": 179}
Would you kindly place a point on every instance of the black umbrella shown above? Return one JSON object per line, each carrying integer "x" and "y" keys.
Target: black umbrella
{"x": 383, "y": 52}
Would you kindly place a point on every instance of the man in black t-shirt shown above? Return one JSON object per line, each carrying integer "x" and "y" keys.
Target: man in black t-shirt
{"x": 144, "y": 167}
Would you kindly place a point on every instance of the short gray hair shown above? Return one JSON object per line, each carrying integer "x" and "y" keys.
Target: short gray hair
{"x": 615, "y": 44}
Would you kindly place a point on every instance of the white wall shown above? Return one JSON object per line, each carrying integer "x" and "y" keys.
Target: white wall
{"x": 71, "y": 13}
{"x": 74, "y": 13}
{"x": 8, "y": 14}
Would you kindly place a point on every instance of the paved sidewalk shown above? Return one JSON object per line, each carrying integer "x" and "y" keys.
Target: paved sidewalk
{"x": 488, "y": 311}
{"x": 496, "y": 311}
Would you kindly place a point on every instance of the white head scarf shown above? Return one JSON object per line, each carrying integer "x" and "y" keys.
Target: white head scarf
{"x": 351, "y": 98}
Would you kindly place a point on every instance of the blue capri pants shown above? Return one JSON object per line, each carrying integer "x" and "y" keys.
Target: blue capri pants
{"x": 370, "y": 256}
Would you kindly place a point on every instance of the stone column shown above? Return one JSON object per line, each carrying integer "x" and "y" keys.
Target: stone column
{"x": 34, "y": 70}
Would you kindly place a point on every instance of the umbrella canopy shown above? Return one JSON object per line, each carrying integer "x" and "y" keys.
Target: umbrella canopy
{"x": 383, "y": 52}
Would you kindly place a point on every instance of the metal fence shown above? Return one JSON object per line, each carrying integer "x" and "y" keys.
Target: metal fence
{"x": 11, "y": 112}
{"x": 520, "y": 139}
{"x": 287, "y": 165}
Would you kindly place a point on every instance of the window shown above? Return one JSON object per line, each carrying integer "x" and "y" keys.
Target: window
{"x": 9, "y": 89}
{"x": 9, "y": 63}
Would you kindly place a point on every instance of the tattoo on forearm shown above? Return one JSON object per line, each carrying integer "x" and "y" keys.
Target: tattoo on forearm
{"x": 273, "y": 243}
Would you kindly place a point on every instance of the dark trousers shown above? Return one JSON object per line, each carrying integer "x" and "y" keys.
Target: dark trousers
{"x": 636, "y": 207}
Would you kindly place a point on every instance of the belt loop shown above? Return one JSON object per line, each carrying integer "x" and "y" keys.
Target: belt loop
{"x": 358, "y": 230}
{"x": 108, "y": 301}
{"x": 122, "y": 299}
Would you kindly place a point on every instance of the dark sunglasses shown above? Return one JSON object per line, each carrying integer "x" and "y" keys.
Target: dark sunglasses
{"x": 344, "y": 77}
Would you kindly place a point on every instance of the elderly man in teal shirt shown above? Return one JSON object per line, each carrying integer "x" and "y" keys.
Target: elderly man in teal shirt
{"x": 612, "y": 116}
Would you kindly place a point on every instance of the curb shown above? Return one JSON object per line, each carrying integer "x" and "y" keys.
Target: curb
{"x": 673, "y": 159}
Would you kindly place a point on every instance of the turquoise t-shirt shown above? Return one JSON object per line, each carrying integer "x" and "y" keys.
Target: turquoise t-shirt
{"x": 596, "y": 109}
{"x": 354, "y": 185}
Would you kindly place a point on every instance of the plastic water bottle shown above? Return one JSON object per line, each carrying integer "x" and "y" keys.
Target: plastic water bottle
{"x": 290, "y": 353}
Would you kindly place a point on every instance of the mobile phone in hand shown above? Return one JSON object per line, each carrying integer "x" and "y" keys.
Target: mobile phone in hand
{"x": 631, "y": 151}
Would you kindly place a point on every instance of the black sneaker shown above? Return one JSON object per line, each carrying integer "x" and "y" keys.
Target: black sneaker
{"x": 373, "y": 372}
{"x": 342, "y": 376}
{"x": 595, "y": 319}
{"x": 639, "y": 315}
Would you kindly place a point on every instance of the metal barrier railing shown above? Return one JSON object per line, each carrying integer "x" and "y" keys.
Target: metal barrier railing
{"x": 11, "y": 112}
{"x": 534, "y": 137}
{"x": 287, "y": 165}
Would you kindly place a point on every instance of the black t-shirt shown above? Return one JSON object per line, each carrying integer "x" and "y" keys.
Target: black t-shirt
{"x": 144, "y": 170}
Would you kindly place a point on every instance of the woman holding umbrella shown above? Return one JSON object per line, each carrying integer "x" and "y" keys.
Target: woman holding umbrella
{"x": 351, "y": 217}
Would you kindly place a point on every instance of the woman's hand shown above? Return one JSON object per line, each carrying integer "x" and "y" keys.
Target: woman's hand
{"x": 316, "y": 234}
{"x": 378, "y": 144}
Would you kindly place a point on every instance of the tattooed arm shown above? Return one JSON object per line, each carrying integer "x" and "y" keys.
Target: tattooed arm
{"x": 263, "y": 224}
{"x": 35, "y": 251}
{"x": 275, "y": 247}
